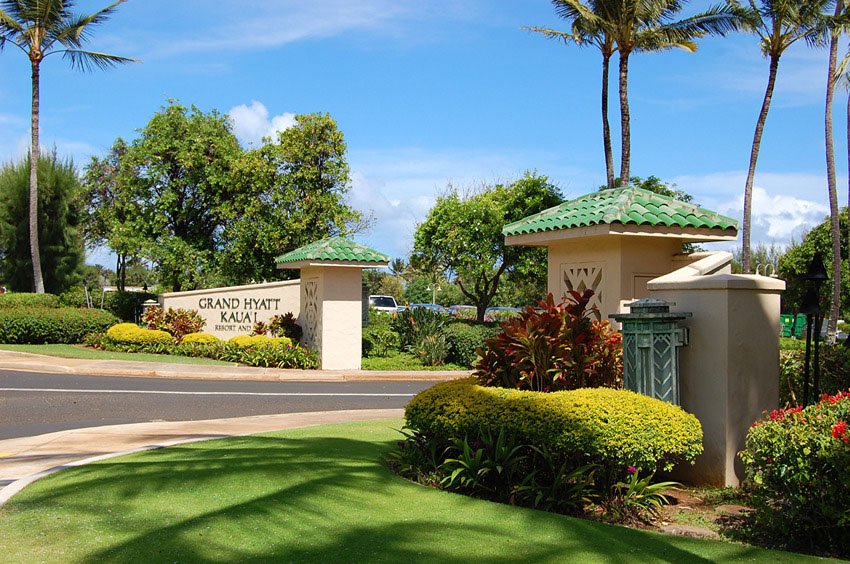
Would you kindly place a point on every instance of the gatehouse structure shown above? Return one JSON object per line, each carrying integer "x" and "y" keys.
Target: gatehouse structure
{"x": 626, "y": 244}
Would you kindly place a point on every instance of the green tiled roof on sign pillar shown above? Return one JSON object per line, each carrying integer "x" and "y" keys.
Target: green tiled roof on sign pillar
{"x": 627, "y": 205}
{"x": 334, "y": 249}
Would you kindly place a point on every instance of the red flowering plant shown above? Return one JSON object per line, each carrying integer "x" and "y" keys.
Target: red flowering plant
{"x": 798, "y": 463}
{"x": 177, "y": 322}
{"x": 554, "y": 347}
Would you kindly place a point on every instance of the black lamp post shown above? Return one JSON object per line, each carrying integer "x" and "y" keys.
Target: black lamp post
{"x": 815, "y": 275}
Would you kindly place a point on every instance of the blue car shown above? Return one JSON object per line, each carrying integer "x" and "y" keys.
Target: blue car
{"x": 433, "y": 307}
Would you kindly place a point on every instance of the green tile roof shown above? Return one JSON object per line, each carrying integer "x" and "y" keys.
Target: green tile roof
{"x": 628, "y": 205}
{"x": 334, "y": 249}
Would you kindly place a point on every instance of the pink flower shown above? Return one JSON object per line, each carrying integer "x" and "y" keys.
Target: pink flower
{"x": 632, "y": 469}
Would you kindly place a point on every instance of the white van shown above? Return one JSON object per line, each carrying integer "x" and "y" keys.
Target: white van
{"x": 383, "y": 303}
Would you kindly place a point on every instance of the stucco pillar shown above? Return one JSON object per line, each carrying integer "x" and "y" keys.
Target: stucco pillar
{"x": 331, "y": 314}
{"x": 729, "y": 373}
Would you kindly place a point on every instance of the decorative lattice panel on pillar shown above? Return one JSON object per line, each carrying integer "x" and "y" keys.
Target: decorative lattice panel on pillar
{"x": 581, "y": 277}
{"x": 312, "y": 314}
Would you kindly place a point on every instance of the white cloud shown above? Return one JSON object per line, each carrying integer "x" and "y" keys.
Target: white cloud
{"x": 785, "y": 205}
{"x": 251, "y": 123}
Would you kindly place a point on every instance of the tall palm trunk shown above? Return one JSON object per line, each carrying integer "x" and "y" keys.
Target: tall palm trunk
{"x": 834, "y": 223}
{"x": 33, "y": 207}
{"x": 606, "y": 127}
{"x": 754, "y": 155}
{"x": 625, "y": 127}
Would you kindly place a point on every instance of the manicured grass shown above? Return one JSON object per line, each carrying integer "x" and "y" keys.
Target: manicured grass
{"x": 403, "y": 361}
{"x": 79, "y": 351}
{"x": 311, "y": 495}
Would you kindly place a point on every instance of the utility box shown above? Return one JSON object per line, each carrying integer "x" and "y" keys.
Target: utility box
{"x": 651, "y": 341}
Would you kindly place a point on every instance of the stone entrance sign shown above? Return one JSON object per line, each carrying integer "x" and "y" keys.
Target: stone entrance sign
{"x": 233, "y": 310}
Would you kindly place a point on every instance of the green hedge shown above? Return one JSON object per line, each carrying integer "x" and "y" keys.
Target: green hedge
{"x": 23, "y": 300}
{"x": 613, "y": 428}
{"x": 52, "y": 325}
{"x": 464, "y": 339}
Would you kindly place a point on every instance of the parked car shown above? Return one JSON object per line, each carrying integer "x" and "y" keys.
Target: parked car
{"x": 383, "y": 303}
{"x": 433, "y": 307}
{"x": 463, "y": 311}
{"x": 498, "y": 313}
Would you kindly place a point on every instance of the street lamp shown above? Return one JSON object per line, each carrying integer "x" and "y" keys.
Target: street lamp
{"x": 815, "y": 276}
{"x": 434, "y": 289}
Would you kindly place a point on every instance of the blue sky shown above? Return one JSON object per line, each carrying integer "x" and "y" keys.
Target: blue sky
{"x": 446, "y": 91}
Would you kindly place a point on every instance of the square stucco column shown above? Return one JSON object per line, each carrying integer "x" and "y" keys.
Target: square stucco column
{"x": 331, "y": 303}
{"x": 729, "y": 372}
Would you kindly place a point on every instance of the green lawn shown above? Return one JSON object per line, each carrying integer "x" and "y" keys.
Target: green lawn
{"x": 309, "y": 495}
{"x": 403, "y": 361}
{"x": 79, "y": 351}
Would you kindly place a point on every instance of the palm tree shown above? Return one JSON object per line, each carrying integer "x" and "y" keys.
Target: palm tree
{"x": 627, "y": 26}
{"x": 834, "y": 31}
{"x": 588, "y": 31}
{"x": 778, "y": 24}
{"x": 650, "y": 25}
{"x": 40, "y": 28}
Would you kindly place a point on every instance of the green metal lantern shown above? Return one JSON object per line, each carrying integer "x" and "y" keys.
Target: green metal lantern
{"x": 651, "y": 341}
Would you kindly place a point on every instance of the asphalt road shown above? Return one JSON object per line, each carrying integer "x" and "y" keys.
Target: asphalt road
{"x": 32, "y": 404}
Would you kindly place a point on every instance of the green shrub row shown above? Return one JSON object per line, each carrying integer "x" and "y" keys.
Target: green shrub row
{"x": 798, "y": 463}
{"x": 51, "y": 325}
{"x": 429, "y": 336}
{"x": 127, "y": 306}
{"x": 25, "y": 300}
{"x": 612, "y": 428}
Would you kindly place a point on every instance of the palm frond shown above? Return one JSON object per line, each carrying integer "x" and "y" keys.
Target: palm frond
{"x": 90, "y": 60}
{"x": 554, "y": 34}
{"x": 75, "y": 31}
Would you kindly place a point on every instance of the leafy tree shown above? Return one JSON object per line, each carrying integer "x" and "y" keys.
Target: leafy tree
{"x": 794, "y": 264}
{"x": 463, "y": 234}
{"x": 60, "y": 232}
{"x": 289, "y": 193}
{"x": 40, "y": 28}
{"x": 765, "y": 257}
{"x": 778, "y": 25}
{"x": 111, "y": 211}
{"x": 170, "y": 185}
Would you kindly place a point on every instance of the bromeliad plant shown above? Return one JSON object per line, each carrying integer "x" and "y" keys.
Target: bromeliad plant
{"x": 554, "y": 347}
{"x": 637, "y": 500}
{"x": 484, "y": 466}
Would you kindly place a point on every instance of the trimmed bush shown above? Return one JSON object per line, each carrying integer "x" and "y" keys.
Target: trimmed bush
{"x": 27, "y": 300}
{"x": 554, "y": 347}
{"x": 798, "y": 462}
{"x": 132, "y": 334}
{"x": 248, "y": 341}
{"x": 203, "y": 338}
{"x": 613, "y": 428}
{"x": 464, "y": 340}
{"x": 51, "y": 325}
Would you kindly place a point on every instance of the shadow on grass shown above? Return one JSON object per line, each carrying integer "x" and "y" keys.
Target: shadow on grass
{"x": 310, "y": 499}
